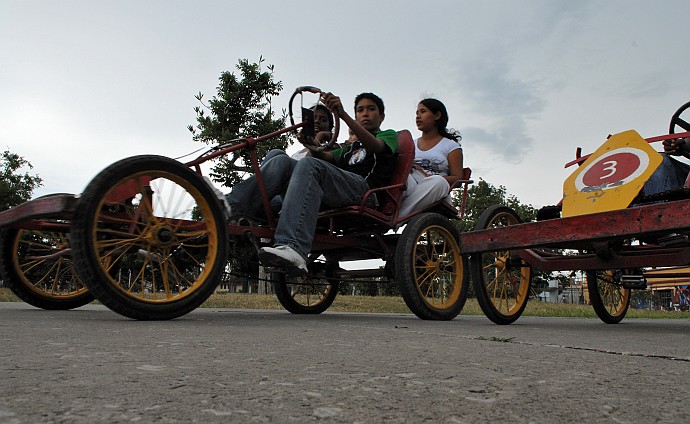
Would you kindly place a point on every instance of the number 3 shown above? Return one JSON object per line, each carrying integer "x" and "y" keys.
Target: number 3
{"x": 610, "y": 166}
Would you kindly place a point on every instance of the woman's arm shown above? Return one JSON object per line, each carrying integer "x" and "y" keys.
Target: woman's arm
{"x": 456, "y": 171}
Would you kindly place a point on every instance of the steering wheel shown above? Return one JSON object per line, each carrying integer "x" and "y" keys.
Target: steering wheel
{"x": 336, "y": 118}
{"x": 677, "y": 121}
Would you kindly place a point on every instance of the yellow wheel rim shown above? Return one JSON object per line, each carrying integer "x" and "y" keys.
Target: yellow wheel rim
{"x": 43, "y": 262}
{"x": 309, "y": 292}
{"x": 438, "y": 268}
{"x": 613, "y": 296}
{"x": 159, "y": 243}
{"x": 507, "y": 287}
{"x": 506, "y": 279}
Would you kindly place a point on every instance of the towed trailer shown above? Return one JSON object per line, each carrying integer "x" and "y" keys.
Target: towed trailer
{"x": 603, "y": 226}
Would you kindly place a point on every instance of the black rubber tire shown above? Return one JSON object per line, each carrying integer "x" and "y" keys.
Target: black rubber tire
{"x": 139, "y": 255}
{"x": 607, "y": 295}
{"x": 433, "y": 278}
{"x": 506, "y": 273}
{"x": 47, "y": 283}
{"x": 312, "y": 294}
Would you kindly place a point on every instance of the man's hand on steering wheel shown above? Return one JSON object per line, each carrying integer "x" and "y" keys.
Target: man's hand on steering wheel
{"x": 321, "y": 138}
{"x": 677, "y": 146}
{"x": 333, "y": 103}
{"x": 307, "y": 141}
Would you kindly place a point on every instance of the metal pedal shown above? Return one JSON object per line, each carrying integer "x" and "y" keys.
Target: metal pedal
{"x": 289, "y": 271}
{"x": 634, "y": 282}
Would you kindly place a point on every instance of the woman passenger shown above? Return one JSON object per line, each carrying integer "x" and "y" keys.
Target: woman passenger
{"x": 438, "y": 159}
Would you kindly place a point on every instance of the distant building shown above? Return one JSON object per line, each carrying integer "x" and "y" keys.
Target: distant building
{"x": 670, "y": 287}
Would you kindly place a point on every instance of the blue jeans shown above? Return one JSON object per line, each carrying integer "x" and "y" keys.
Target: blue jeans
{"x": 305, "y": 186}
{"x": 670, "y": 175}
{"x": 245, "y": 198}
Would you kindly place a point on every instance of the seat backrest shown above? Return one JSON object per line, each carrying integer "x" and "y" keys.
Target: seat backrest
{"x": 403, "y": 165}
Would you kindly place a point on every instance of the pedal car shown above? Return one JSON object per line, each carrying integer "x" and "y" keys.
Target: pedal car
{"x": 149, "y": 239}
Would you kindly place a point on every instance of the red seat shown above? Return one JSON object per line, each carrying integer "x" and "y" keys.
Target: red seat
{"x": 403, "y": 166}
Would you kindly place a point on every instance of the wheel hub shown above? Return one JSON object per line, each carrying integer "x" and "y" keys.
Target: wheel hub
{"x": 163, "y": 235}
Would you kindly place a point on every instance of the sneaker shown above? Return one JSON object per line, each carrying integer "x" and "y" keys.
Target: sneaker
{"x": 221, "y": 197}
{"x": 283, "y": 257}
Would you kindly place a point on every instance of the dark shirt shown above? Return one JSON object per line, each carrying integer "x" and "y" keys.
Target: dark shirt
{"x": 376, "y": 168}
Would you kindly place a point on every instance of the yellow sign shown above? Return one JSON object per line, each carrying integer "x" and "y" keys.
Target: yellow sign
{"x": 611, "y": 177}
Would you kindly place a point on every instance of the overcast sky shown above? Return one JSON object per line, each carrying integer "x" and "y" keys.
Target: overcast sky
{"x": 84, "y": 83}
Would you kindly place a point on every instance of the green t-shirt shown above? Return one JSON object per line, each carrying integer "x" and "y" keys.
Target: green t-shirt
{"x": 376, "y": 168}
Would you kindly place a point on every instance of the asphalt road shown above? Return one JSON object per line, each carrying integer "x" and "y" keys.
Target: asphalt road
{"x": 223, "y": 365}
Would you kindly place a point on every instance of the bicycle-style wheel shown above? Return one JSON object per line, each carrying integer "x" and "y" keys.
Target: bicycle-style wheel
{"x": 607, "y": 295}
{"x": 501, "y": 280}
{"x": 37, "y": 267}
{"x": 429, "y": 268}
{"x": 149, "y": 238}
{"x": 310, "y": 294}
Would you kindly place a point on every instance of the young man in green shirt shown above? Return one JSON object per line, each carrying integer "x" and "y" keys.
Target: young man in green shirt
{"x": 331, "y": 179}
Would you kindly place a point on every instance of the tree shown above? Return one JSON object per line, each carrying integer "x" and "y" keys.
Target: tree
{"x": 482, "y": 195}
{"x": 240, "y": 109}
{"x": 15, "y": 187}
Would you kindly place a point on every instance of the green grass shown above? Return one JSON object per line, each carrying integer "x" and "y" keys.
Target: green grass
{"x": 7, "y": 296}
{"x": 389, "y": 304}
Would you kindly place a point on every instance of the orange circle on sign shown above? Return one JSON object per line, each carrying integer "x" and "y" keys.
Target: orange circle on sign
{"x": 611, "y": 169}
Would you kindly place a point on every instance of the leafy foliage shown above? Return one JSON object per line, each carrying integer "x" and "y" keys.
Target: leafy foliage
{"x": 482, "y": 195}
{"x": 15, "y": 187}
{"x": 240, "y": 109}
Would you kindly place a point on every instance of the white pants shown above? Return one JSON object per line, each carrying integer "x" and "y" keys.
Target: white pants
{"x": 421, "y": 192}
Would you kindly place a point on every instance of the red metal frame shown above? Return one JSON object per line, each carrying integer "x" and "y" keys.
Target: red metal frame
{"x": 30, "y": 214}
{"x": 591, "y": 233}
